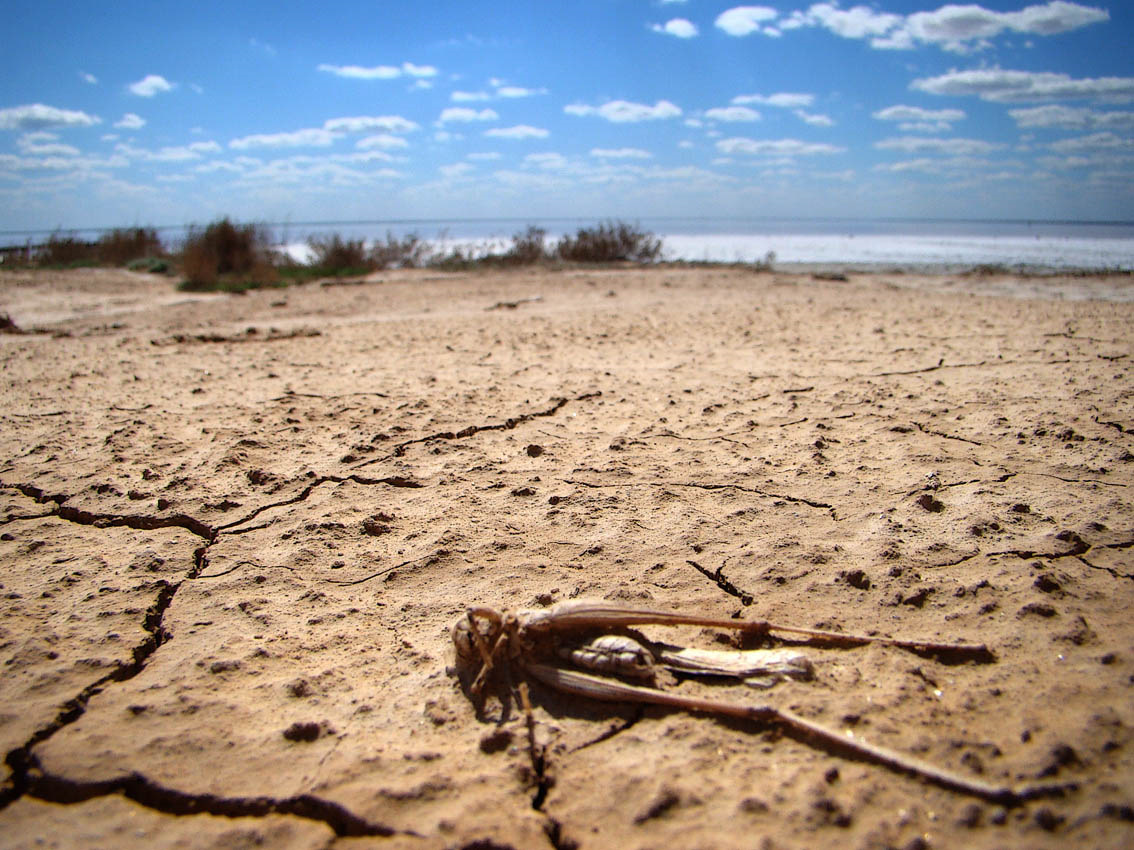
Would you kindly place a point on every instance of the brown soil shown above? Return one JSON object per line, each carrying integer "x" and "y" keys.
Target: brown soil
{"x": 235, "y": 532}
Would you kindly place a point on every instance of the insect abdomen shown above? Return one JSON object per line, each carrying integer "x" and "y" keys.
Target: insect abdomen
{"x": 615, "y": 654}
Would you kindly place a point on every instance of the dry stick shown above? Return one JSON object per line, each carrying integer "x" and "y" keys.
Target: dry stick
{"x": 582, "y": 684}
{"x": 564, "y": 617}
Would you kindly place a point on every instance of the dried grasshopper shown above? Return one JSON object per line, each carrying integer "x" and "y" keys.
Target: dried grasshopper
{"x": 532, "y": 641}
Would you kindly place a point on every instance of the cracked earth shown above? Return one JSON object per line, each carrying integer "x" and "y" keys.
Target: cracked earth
{"x": 235, "y": 531}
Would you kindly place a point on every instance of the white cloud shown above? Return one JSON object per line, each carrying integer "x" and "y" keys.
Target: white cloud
{"x": 916, "y": 113}
{"x": 677, "y": 27}
{"x": 623, "y": 112}
{"x": 44, "y": 144}
{"x": 1069, "y": 118}
{"x": 379, "y": 72}
{"x": 1053, "y": 18}
{"x": 621, "y": 153}
{"x": 469, "y": 96}
{"x": 744, "y": 20}
{"x": 37, "y": 116}
{"x": 858, "y": 22}
{"x": 952, "y": 147}
{"x": 939, "y": 166}
{"x": 814, "y": 119}
{"x": 547, "y": 161}
{"x": 381, "y": 140}
{"x": 784, "y": 100}
{"x": 775, "y": 147}
{"x": 959, "y": 28}
{"x": 419, "y": 70}
{"x": 150, "y": 85}
{"x": 732, "y": 113}
{"x": 88, "y": 78}
{"x": 366, "y": 123}
{"x": 917, "y": 120}
{"x": 130, "y": 121}
{"x": 1004, "y": 86}
{"x": 311, "y": 137}
{"x": 219, "y": 165}
{"x": 484, "y": 157}
{"x": 180, "y": 153}
{"x": 520, "y": 131}
{"x": 1106, "y": 141}
{"x": 517, "y": 91}
{"x": 457, "y": 169}
{"x": 464, "y": 114}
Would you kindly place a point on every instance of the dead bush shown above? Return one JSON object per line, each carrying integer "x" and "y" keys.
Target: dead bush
{"x": 227, "y": 255}
{"x": 610, "y": 242}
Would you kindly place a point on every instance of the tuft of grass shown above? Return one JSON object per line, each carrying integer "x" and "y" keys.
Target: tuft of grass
{"x": 529, "y": 248}
{"x": 67, "y": 251}
{"x": 120, "y": 246}
{"x": 228, "y": 257}
{"x": 610, "y": 242}
{"x": 409, "y": 252}
{"x": 334, "y": 255}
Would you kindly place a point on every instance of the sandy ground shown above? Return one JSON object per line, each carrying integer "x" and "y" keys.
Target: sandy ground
{"x": 236, "y": 531}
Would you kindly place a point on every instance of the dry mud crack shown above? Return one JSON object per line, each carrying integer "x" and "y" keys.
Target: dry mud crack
{"x": 229, "y": 570}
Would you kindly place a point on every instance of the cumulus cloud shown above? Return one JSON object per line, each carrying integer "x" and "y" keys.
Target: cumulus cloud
{"x": 150, "y": 85}
{"x": 457, "y": 169}
{"x": 621, "y": 153}
{"x": 677, "y": 27}
{"x": 1069, "y": 117}
{"x": 744, "y": 20}
{"x": 625, "y": 112}
{"x": 938, "y": 166}
{"x": 732, "y": 113}
{"x": 464, "y": 114}
{"x": 914, "y": 119}
{"x": 814, "y": 119}
{"x": 1107, "y": 141}
{"x": 784, "y": 100}
{"x": 88, "y": 78}
{"x": 381, "y": 140}
{"x": 520, "y": 131}
{"x": 379, "y": 72}
{"x": 547, "y": 161}
{"x": 311, "y": 137}
{"x": 130, "y": 121}
{"x": 366, "y": 123}
{"x": 858, "y": 22}
{"x": 1005, "y": 86}
{"x": 951, "y": 147}
{"x": 44, "y": 144}
{"x": 517, "y": 91}
{"x": 775, "y": 147}
{"x": 499, "y": 89}
{"x": 959, "y": 28}
{"x": 37, "y": 116}
{"x": 469, "y": 96}
{"x": 180, "y": 153}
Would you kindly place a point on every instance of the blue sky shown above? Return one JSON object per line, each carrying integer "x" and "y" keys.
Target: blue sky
{"x": 170, "y": 113}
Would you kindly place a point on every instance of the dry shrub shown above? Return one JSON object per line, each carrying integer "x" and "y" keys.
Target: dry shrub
{"x": 409, "y": 252}
{"x": 61, "y": 250}
{"x": 334, "y": 254}
{"x": 610, "y": 242}
{"x": 227, "y": 255}
{"x": 119, "y": 246}
{"x": 528, "y": 248}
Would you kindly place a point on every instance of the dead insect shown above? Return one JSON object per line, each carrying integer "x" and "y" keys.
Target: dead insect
{"x": 600, "y": 636}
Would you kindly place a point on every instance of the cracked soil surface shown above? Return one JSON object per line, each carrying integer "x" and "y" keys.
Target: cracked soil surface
{"x": 235, "y": 532}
